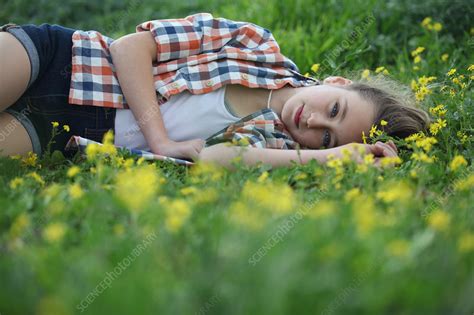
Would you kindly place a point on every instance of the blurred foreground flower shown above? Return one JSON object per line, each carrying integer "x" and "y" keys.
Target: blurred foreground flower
{"x": 54, "y": 232}
{"x": 136, "y": 187}
{"x": 177, "y": 212}
{"x": 457, "y": 162}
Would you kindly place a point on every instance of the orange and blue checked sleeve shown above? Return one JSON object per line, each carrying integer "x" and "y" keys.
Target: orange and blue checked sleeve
{"x": 202, "y": 33}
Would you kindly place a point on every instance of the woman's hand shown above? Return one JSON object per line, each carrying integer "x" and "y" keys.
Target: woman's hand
{"x": 357, "y": 150}
{"x": 186, "y": 149}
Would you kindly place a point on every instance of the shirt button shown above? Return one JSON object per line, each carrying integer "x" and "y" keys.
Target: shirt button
{"x": 278, "y": 81}
{"x": 209, "y": 83}
{"x": 245, "y": 76}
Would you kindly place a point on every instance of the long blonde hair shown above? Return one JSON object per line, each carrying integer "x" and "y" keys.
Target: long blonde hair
{"x": 394, "y": 102}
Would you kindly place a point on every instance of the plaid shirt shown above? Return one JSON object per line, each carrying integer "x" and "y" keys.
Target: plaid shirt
{"x": 199, "y": 53}
{"x": 262, "y": 129}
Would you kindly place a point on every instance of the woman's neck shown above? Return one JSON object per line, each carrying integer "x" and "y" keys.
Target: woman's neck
{"x": 280, "y": 97}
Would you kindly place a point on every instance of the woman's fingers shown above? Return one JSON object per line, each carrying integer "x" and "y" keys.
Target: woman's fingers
{"x": 387, "y": 150}
{"x": 376, "y": 150}
{"x": 393, "y": 146}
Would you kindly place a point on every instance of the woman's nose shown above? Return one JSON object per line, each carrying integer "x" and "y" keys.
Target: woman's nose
{"x": 315, "y": 120}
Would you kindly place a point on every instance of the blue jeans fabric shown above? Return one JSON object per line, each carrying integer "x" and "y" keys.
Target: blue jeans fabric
{"x": 49, "y": 48}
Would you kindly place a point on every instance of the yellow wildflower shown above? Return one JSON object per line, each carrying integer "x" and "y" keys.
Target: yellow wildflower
{"x": 16, "y": 182}
{"x": 36, "y": 177}
{"x": 54, "y": 232}
{"x": 470, "y": 68}
{"x": 444, "y": 57}
{"x": 188, "y": 190}
{"x": 383, "y": 123}
{"x": 466, "y": 242}
{"x": 426, "y": 22}
{"x": 438, "y": 125}
{"x": 415, "y": 137}
{"x": 462, "y": 136}
{"x": 55, "y": 124}
{"x": 334, "y": 162}
{"x": 30, "y": 159}
{"x": 136, "y": 187}
{"x": 109, "y": 149}
{"x": 422, "y": 92}
{"x": 424, "y": 80}
{"x": 439, "y": 220}
{"x": 92, "y": 150}
{"x": 262, "y": 177}
{"x": 315, "y": 67}
{"x": 423, "y": 157}
{"x": 369, "y": 159}
{"x": 457, "y": 162}
{"x": 438, "y": 110}
{"x": 128, "y": 163}
{"x": 437, "y": 26}
{"x": 417, "y": 59}
{"x": 75, "y": 191}
{"x": 177, "y": 213}
{"x": 352, "y": 194}
{"x": 414, "y": 85}
{"x": 451, "y": 72}
{"x": 417, "y": 51}
{"x": 379, "y": 69}
{"x": 372, "y": 131}
{"x": 395, "y": 191}
{"x": 66, "y": 127}
{"x": 73, "y": 171}
{"x": 140, "y": 160}
{"x": 300, "y": 176}
{"x": 365, "y": 73}
{"x": 278, "y": 198}
{"x": 346, "y": 155}
{"x": 390, "y": 160}
{"x": 426, "y": 143}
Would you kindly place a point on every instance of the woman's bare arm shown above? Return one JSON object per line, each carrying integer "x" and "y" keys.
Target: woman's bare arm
{"x": 223, "y": 154}
{"x": 133, "y": 55}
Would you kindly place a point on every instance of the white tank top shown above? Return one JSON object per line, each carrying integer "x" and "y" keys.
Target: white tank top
{"x": 186, "y": 116}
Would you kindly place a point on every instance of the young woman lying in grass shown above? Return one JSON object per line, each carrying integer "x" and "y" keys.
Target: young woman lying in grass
{"x": 186, "y": 88}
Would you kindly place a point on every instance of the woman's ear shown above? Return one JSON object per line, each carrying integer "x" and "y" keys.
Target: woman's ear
{"x": 336, "y": 80}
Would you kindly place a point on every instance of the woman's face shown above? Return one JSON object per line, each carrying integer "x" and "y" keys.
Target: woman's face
{"x": 330, "y": 116}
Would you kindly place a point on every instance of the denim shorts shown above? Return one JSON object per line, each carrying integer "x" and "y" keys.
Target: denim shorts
{"x": 49, "y": 48}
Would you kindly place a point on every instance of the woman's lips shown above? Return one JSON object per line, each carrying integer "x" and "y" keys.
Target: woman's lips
{"x": 298, "y": 116}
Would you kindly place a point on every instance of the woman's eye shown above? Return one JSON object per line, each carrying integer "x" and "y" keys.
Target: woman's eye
{"x": 335, "y": 109}
{"x": 326, "y": 139}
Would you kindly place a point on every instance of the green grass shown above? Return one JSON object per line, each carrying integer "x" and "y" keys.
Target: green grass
{"x": 312, "y": 239}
